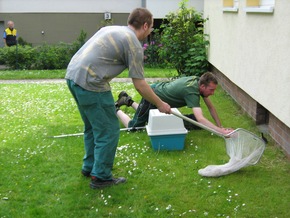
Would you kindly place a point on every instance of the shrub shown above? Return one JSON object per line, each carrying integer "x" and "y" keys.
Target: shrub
{"x": 18, "y": 57}
{"x": 184, "y": 43}
{"x": 151, "y": 51}
{"x": 53, "y": 56}
{"x": 40, "y": 57}
{"x": 76, "y": 45}
{"x": 22, "y": 42}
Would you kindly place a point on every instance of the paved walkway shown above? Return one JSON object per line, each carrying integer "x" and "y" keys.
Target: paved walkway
{"x": 63, "y": 80}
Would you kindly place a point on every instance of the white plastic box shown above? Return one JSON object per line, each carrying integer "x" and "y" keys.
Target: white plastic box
{"x": 166, "y": 131}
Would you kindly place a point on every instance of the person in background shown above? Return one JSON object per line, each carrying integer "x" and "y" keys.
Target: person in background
{"x": 10, "y": 34}
{"x": 185, "y": 91}
{"x": 104, "y": 56}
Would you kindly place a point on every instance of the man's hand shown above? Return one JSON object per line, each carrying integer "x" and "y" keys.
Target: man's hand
{"x": 226, "y": 131}
{"x": 164, "y": 107}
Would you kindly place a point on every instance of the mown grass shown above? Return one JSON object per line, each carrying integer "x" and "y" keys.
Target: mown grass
{"x": 40, "y": 175}
{"x": 59, "y": 74}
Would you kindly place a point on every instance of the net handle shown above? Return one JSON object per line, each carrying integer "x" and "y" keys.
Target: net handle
{"x": 199, "y": 124}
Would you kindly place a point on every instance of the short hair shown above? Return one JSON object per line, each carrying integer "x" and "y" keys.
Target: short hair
{"x": 207, "y": 78}
{"x": 139, "y": 16}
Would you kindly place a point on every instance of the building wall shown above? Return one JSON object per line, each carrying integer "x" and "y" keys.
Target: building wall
{"x": 68, "y": 6}
{"x": 250, "y": 52}
{"x": 160, "y": 8}
{"x": 42, "y": 21}
{"x": 51, "y": 28}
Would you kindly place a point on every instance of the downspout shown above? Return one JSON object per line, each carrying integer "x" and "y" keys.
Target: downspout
{"x": 143, "y": 3}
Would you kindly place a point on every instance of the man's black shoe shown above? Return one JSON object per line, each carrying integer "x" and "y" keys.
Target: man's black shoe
{"x": 123, "y": 99}
{"x": 86, "y": 173}
{"x": 123, "y": 93}
{"x": 99, "y": 183}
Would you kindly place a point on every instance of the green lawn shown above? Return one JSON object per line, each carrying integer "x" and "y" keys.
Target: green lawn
{"x": 40, "y": 175}
{"x": 59, "y": 74}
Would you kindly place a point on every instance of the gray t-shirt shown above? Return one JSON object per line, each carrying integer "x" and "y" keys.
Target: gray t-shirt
{"x": 108, "y": 53}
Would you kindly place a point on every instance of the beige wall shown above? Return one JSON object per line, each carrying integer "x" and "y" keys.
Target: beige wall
{"x": 58, "y": 27}
{"x": 68, "y": 6}
{"x": 62, "y": 21}
{"x": 160, "y": 8}
{"x": 252, "y": 50}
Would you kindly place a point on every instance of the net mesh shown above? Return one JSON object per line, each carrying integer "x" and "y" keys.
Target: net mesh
{"x": 244, "y": 149}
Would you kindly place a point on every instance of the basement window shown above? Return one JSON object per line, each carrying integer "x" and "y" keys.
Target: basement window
{"x": 262, "y": 115}
{"x": 230, "y": 5}
{"x": 260, "y": 6}
{"x": 262, "y": 119}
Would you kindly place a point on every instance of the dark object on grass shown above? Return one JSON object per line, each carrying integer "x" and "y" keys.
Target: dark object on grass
{"x": 188, "y": 125}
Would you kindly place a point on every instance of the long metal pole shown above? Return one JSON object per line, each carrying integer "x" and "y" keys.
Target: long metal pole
{"x": 80, "y": 134}
{"x": 197, "y": 123}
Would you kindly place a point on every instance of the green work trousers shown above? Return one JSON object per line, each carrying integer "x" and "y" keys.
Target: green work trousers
{"x": 141, "y": 115}
{"x": 101, "y": 129}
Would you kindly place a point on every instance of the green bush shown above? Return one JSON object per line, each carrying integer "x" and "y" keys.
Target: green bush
{"x": 151, "y": 51}
{"x": 184, "y": 42}
{"x": 22, "y": 42}
{"x": 76, "y": 45}
{"x": 53, "y": 56}
{"x": 18, "y": 57}
{"x": 41, "y": 57}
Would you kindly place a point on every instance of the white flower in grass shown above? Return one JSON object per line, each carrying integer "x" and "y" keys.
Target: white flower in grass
{"x": 236, "y": 208}
{"x": 168, "y": 207}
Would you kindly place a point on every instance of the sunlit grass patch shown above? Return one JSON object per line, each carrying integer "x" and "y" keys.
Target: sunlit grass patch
{"x": 40, "y": 175}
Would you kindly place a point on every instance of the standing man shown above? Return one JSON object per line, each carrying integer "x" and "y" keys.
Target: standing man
{"x": 10, "y": 34}
{"x": 104, "y": 56}
{"x": 185, "y": 91}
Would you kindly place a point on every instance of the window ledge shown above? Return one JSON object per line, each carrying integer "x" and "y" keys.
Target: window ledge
{"x": 260, "y": 9}
{"x": 230, "y": 9}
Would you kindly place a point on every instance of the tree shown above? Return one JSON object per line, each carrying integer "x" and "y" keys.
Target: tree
{"x": 184, "y": 44}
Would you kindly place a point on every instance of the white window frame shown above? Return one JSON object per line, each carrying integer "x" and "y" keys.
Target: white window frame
{"x": 235, "y": 7}
{"x": 266, "y": 6}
